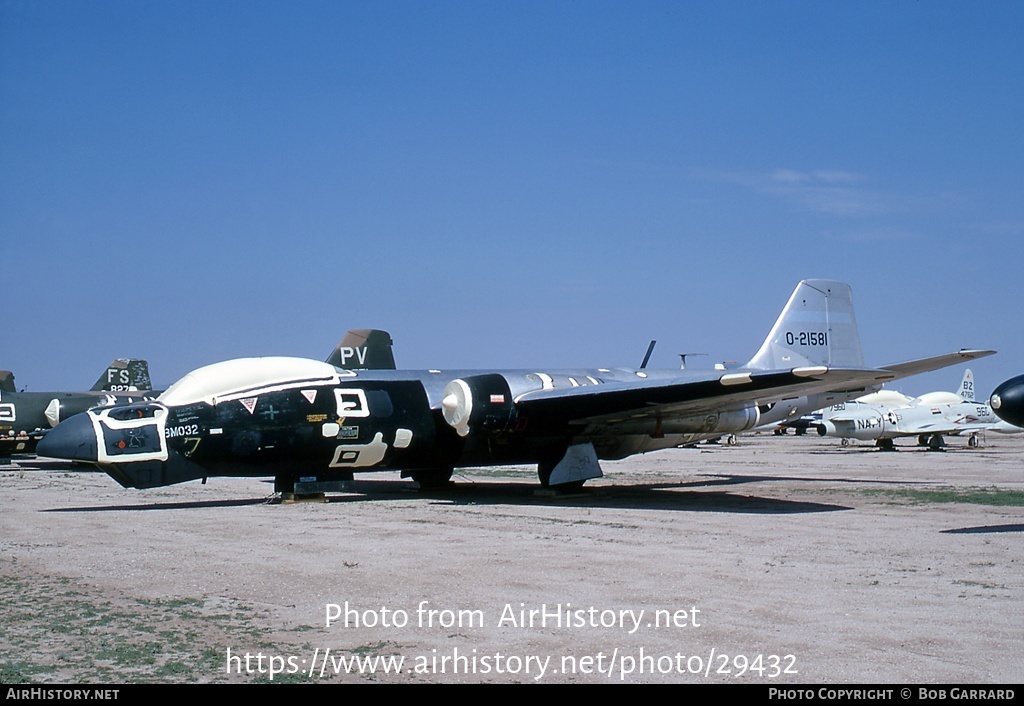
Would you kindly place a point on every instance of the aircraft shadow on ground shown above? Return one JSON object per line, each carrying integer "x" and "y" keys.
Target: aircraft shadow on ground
{"x": 724, "y": 479}
{"x": 648, "y": 497}
{"x": 197, "y": 505}
{"x": 667, "y": 497}
{"x": 681, "y": 496}
{"x": 688, "y": 496}
{"x": 986, "y": 529}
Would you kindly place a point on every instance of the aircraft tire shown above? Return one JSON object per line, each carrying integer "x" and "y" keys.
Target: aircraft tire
{"x": 284, "y": 484}
{"x": 544, "y": 473}
{"x": 433, "y": 478}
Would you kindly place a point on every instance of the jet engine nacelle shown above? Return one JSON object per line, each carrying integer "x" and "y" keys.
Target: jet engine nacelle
{"x": 479, "y": 403}
{"x": 730, "y": 422}
{"x": 60, "y": 409}
{"x": 706, "y": 426}
{"x": 739, "y": 420}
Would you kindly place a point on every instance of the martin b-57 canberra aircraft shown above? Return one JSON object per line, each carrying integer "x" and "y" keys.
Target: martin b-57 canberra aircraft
{"x": 310, "y": 424}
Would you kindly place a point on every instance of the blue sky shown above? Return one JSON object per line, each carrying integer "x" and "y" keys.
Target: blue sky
{"x": 504, "y": 184}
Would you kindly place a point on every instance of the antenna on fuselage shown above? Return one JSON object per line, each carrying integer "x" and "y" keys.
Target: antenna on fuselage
{"x": 682, "y": 359}
{"x": 647, "y": 357}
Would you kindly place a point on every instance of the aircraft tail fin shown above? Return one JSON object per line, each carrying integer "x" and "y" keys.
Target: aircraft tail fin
{"x": 832, "y": 410}
{"x": 7, "y": 381}
{"x": 967, "y": 386}
{"x": 364, "y": 349}
{"x": 817, "y": 327}
{"x": 123, "y": 375}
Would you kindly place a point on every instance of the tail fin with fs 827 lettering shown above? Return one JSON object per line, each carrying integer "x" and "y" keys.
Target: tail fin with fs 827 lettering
{"x": 125, "y": 375}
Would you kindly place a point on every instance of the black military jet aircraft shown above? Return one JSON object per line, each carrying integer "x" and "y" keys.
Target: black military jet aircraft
{"x": 1007, "y": 401}
{"x": 310, "y": 424}
{"x": 26, "y": 416}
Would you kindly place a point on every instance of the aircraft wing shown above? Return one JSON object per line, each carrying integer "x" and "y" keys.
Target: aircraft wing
{"x": 927, "y": 365}
{"x": 941, "y": 427}
{"x": 963, "y": 424}
{"x": 695, "y": 395}
{"x": 712, "y": 392}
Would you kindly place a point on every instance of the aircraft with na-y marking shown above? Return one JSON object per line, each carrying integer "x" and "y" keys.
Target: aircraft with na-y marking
{"x": 887, "y": 415}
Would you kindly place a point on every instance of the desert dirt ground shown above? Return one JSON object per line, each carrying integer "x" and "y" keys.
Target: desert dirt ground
{"x": 788, "y": 560}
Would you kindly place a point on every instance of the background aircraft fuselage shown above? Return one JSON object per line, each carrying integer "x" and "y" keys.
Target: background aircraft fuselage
{"x": 26, "y": 416}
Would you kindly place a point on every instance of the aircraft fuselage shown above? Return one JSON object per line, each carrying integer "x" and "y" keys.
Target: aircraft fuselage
{"x": 363, "y": 421}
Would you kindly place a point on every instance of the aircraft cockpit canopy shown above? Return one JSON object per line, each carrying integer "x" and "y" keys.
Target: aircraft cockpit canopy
{"x": 246, "y": 376}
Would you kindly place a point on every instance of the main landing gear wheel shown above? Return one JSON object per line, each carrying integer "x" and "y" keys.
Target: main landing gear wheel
{"x": 284, "y": 484}
{"x": 432, "y": 478}
{"x": 885, "y": 444}
{"x": 544, "y": 470}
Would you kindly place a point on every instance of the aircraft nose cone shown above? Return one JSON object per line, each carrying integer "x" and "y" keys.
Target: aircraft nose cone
{"x": 74, "y": 439}
{"x": 450, "y": 403}
{"x": 1007, "y": 401}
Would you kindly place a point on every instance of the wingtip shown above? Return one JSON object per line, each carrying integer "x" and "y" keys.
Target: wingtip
{"x": 973, "y": 353}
